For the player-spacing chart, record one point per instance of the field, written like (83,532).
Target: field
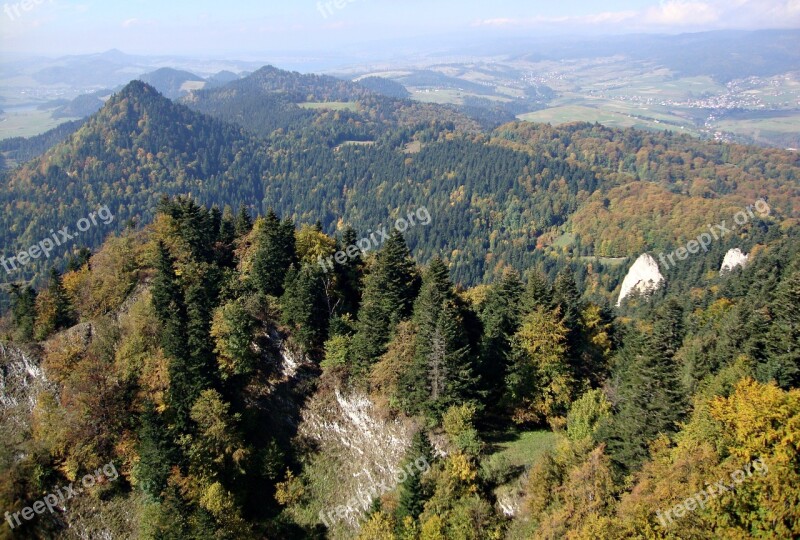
(621,93)
(27,123)
(767,127)
(606,116)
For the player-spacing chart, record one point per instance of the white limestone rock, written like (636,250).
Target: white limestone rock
(733,259)
(644,277)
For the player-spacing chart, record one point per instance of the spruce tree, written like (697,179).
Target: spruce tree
(537,293)
(412,491)
(500,316)
(23,311)
(156,453)
(650,397)
(63,316)
(200,302)
(783,364)
(275,253)
(227,227)
(243,223)
(303,307)
(349,275)
(389,292)
(170,308)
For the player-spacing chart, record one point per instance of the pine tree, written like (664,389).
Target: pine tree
(303,306)
(783,364)
(412,491)
(389,292)
(501,318)
(243,223)
(275,253)
(156,453)
(23,311)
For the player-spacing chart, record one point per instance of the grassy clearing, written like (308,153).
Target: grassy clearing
(565,240)
(606,261)
(526,449)
(330,105)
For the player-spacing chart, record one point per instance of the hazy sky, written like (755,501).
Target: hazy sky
(57,27)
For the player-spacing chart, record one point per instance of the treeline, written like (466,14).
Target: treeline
(183,384)
(518,197)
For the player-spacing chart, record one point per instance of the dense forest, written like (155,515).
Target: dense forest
(258,349)
(515,196)
(165,354)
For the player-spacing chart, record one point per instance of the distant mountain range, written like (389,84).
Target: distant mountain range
(328,150)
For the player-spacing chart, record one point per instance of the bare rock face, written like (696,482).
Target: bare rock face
(643,278)
(735,258)
(366,447)
(21,379)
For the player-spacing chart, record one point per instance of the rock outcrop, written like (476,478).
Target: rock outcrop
(735,258)
(361,448)
(644,278)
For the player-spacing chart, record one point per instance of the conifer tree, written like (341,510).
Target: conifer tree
(23,311)
(200,303)
(389,292)
(53,307)
(156,453)
(227,227)
(537,293)
(650,397)
(243,223)
(500,317)
(170,308)
(275,253)
(349,274)
(412,491)
(783,364)
(303,306)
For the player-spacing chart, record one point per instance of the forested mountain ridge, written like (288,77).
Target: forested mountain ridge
(504,198)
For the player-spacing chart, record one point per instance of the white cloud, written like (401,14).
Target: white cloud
(679,14)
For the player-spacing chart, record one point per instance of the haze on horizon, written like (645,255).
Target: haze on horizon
(203,27)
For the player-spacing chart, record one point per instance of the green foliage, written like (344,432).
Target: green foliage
(303,306)
(23,310)
(650,397)
(586,413)
(275,253)
(233,328)
(389,291)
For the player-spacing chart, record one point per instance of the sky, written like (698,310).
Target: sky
(212,27)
